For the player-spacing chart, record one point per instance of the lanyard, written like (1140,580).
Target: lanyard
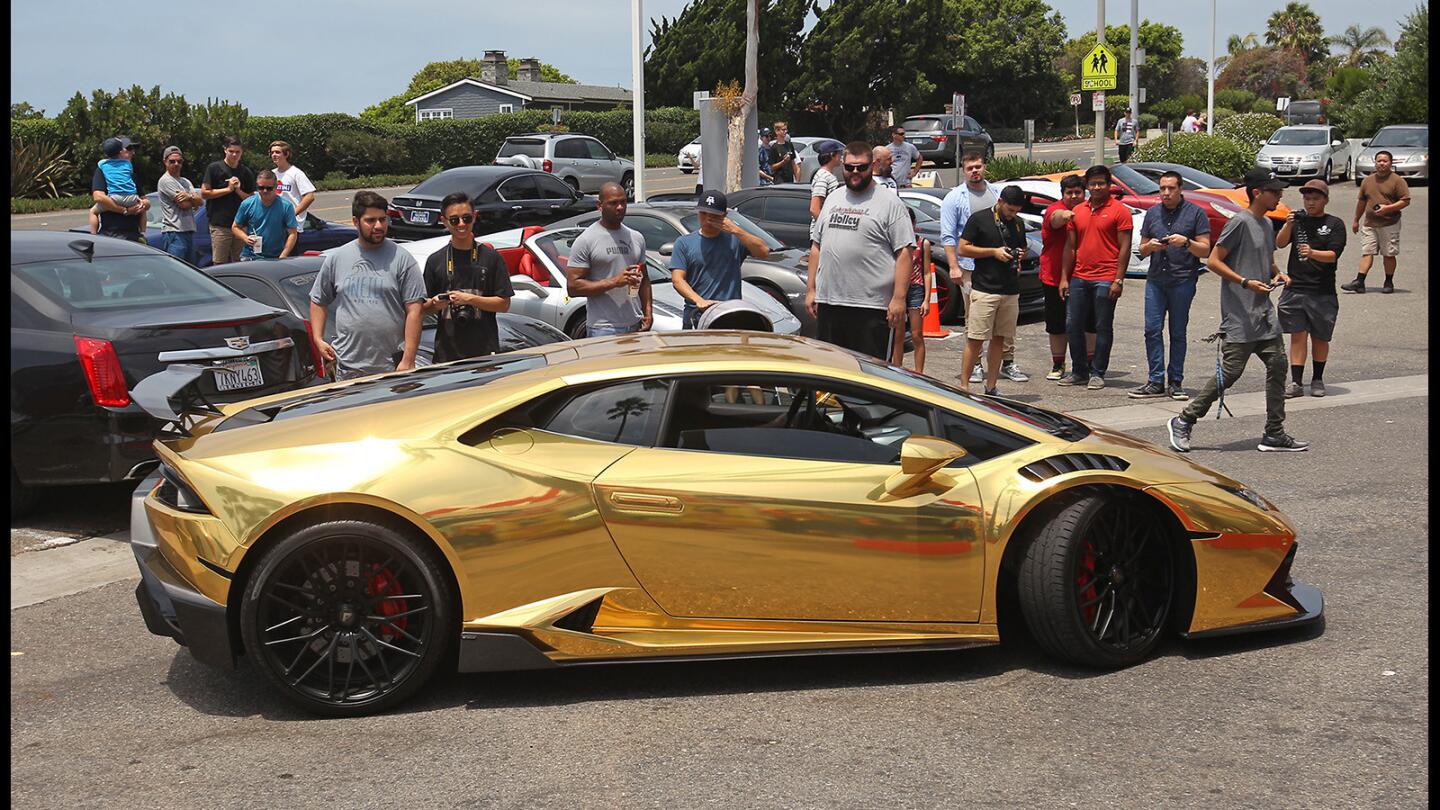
(450,259)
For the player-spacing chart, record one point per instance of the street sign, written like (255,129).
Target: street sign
(555,115)
(1097,101)
(1098,70)
(1142,95)
(1281,103)
(1074,99)
(958,101)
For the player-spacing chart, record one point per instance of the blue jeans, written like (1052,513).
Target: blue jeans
(1160,301)
(603,331)
(1089,299)
(180,244)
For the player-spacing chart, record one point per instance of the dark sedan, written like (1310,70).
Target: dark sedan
(784,210)
(935,136)
(286,283)
(90,317)
(317,235)
(505,197)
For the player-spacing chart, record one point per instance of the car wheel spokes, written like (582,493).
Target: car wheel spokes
(1124,578)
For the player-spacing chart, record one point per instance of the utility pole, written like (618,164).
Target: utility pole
(637,80)
(1135,60)
(1099,114)
(1210,98)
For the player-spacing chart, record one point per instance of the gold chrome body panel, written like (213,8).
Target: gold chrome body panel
(599,551)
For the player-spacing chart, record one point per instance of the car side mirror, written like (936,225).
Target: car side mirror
(526,284)
(667,248)
(1365,142)
(921,457)
(1337,143)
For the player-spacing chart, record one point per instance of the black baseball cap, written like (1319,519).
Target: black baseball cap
(112,146)
(711,202)
(1264,179)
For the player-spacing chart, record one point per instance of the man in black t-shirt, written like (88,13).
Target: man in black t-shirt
(995,239)
(1309,305)
(467,283)
(782,155)
(116,220)
(224,186)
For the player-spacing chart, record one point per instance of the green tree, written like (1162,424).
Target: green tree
(436,75)
(999,53)
(705,45)
(1361,47)
(1267,71)
(1190,72)
(23,110)
(1399,88)
(1159,75)
(1234,45)
(863,56)
(1297,28)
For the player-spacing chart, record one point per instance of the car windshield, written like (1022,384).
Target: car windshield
(1204,179)
(1056,424)
(691,223)
(1138,183)
(1298,137)
(922,125)
(529,147)
(123,282)
(1402,137)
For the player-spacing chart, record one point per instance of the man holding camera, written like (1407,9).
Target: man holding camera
(466,283)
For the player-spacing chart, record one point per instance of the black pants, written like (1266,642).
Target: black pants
(859,329)
(1125,150)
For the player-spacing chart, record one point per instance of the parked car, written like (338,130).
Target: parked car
(90,317)
(318,234)
(286,283)
(1139,191)
(537,257)
(784,210)
(1305,111)
(934,136)
(505,197)
(781,275)
(688,160)
(1196,180)
(583,162)
(1306,151)
(1408,145)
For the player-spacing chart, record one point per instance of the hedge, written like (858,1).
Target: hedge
(1250,130)
(1214,154)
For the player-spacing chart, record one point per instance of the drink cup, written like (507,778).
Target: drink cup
(259,244)
(633,288)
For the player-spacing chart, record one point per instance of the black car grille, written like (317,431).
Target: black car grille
(1050,467)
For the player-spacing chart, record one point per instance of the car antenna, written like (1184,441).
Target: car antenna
(85,248)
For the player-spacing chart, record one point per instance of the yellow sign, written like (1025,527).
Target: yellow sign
(1098,69)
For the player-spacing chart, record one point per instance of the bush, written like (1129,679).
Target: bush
(1148,120)
(1235,98)
(1215,154)
(1009,167)
(357,153)
(1248,130)
(23,206)
(39,169)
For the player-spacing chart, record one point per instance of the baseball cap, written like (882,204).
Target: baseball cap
(766,131)
(112,146)
(1317,185)
(1264,179)
(711,202)
(829,146)
(169,150)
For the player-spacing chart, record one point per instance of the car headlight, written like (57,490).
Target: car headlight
(1418,158)
(1247,495)
(1262,158)
(1315,156)
(1225,210)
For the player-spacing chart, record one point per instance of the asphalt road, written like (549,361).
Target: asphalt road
(105,714)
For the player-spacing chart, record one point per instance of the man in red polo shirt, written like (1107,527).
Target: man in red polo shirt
(1092,276)
(1054,232)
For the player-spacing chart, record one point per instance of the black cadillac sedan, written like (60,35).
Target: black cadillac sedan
(90,317)
(505,197)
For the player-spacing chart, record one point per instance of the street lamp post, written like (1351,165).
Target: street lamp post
(1100,114)
(637,79)
(1210,99)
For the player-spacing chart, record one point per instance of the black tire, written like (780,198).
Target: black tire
(1346,175)
(349,592)
(774,292)
(1329,172)
(576,328)
(990,151)
(627,182)
(574,182)
(686,171)
(22,498)
(1097,584)
(1358,179)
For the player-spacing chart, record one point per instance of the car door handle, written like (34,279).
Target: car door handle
(645,502)
(517,208)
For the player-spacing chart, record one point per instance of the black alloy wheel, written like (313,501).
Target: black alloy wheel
(1097,585)
(577,329)
(348,617)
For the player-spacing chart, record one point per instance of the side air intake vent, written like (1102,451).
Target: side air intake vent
(1071,462)
(581,620)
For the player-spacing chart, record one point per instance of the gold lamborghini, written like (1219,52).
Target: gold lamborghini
(678,496)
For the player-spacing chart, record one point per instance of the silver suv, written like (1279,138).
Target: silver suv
(580,160)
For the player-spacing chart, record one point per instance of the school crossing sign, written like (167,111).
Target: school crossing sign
(1098,70)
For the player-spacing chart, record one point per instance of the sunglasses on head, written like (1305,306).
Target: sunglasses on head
(465,218)
(856,167)
(266,188)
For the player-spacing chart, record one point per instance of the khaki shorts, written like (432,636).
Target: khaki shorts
(991,315)
(224,247)
(1383,239)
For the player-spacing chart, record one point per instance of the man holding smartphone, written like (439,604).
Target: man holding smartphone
(1244,257)
(466,282)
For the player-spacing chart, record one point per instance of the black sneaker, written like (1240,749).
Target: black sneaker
(1293,390)
(1282,443)
(1356,286)
(1177,393)
(1149,390)
(1389,286)
(992,392)
(1317,388)
(1179,433)
(1071,379)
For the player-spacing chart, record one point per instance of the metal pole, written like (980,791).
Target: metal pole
(637,79)
(1100,114)
(1210,99)
(1134,63)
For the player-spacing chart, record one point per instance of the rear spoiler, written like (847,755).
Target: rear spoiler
(173,397)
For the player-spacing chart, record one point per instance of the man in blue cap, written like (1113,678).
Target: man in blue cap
(826,178)
(705,264)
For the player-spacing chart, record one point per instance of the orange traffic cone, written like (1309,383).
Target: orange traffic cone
(932,328)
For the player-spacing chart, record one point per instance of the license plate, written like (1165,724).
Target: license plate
(420,217)
(917,139)
(239,374)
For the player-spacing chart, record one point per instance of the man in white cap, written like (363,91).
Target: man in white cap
(705,264)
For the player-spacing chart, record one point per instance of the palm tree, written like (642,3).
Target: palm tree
(1233,47)
(1297,28)
(1362,46)
(624,409)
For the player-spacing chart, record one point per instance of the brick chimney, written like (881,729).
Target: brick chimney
(493,68)
(529,70)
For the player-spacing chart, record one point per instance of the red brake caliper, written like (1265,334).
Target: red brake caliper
(1085,582)
(382,583)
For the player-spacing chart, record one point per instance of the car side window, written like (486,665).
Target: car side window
(254,289)
(553,188)
(753,208)
(628,413)
(788,208)
(981,441)
(655,230)
(597,150)
(518,189)
(971,124)
(571,148)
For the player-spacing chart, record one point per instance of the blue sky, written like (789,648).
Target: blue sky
(293,57)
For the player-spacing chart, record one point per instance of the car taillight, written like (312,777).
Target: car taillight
(315,354)
(392,211)
(312,253)
(102,371)
(941,138)
(546,165)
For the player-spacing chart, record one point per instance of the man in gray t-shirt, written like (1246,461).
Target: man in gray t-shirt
(178,201)
(907,160)
(607,266)
(859,260)
(1244,256)
(377,291)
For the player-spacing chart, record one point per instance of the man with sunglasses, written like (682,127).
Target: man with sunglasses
(178,201)
(859,267)
(265,223)
(466,282)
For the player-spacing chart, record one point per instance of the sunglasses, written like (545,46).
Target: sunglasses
(465,218)
(174,160)
(856,167)
(266,188)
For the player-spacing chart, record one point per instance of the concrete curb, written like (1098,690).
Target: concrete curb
(40,576)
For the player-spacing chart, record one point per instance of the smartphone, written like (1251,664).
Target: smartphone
(445,296)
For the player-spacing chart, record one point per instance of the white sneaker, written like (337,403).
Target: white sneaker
(1011,371)
(978,373)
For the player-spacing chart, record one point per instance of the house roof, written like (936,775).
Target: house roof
(540,91)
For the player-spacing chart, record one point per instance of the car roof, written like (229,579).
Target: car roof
(274,269)
(1405,126)
(43,246)
(1306,126)
(482,172)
